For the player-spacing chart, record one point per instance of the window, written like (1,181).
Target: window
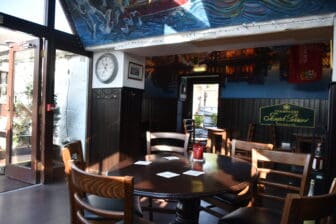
(3,86)
(31,10)
(61,22)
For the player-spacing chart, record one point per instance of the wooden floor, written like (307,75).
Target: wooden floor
(48,204)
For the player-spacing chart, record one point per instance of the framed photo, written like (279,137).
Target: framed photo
(135,71)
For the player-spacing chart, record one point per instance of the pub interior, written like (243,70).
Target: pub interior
(260,72)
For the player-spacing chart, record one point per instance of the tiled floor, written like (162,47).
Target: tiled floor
(9,184)
(48,204)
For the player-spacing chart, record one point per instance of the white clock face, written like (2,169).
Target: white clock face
(106,67)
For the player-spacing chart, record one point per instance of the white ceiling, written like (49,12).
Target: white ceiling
(322,34)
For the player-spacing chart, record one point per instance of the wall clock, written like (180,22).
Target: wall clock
(106,67)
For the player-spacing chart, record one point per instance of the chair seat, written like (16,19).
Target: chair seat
(252,215)
(234,199)
(111,204)
(115,205)
(137,220)
(228,201)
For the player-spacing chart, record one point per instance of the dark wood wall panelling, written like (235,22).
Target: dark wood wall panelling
(131,134)
(115,132)
(236,114)
(159,114)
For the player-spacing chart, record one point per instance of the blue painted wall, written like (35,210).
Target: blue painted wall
(275,87)
(99,22)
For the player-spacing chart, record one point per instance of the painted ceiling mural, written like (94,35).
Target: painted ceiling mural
(100,22)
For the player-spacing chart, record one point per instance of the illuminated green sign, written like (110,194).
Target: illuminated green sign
(287,115)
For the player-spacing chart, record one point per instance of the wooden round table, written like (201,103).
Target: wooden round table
(221,174)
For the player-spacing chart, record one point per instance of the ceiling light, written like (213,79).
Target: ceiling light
(200,68)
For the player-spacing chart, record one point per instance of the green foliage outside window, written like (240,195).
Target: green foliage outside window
(198,120)
(214,118)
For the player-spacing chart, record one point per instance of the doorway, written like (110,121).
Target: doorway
(204,107)
(199,98)
(22,117)
(20,81)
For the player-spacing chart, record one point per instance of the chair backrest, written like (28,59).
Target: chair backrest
(214,146)
(251,131)
(72,152)
(189,127)
(115,187)
(271,129)
(279,173)
(167,141)
(243,149)
(333,186)
(320,208)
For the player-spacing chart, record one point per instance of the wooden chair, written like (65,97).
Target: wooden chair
(333,186)
(242,149)
(297,208)
(109,187)
(189,127)
(320,208)
(167,142)
(280,173)
(229,202)
(271,129)
(214,146)
(73,152)
(251,131)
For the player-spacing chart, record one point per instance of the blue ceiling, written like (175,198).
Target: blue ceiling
(99,22)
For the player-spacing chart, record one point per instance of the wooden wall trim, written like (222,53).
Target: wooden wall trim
(331,134)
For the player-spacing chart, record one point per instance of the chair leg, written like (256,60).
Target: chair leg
(150,205)
(213,144)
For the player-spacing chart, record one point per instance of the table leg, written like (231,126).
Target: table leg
(187,211)
(208,146)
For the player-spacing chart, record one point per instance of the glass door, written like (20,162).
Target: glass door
(22,118)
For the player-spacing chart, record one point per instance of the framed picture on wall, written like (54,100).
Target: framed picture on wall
(135,71)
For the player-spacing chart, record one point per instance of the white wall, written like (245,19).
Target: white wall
(71,89)
(121,79)
(118,81)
